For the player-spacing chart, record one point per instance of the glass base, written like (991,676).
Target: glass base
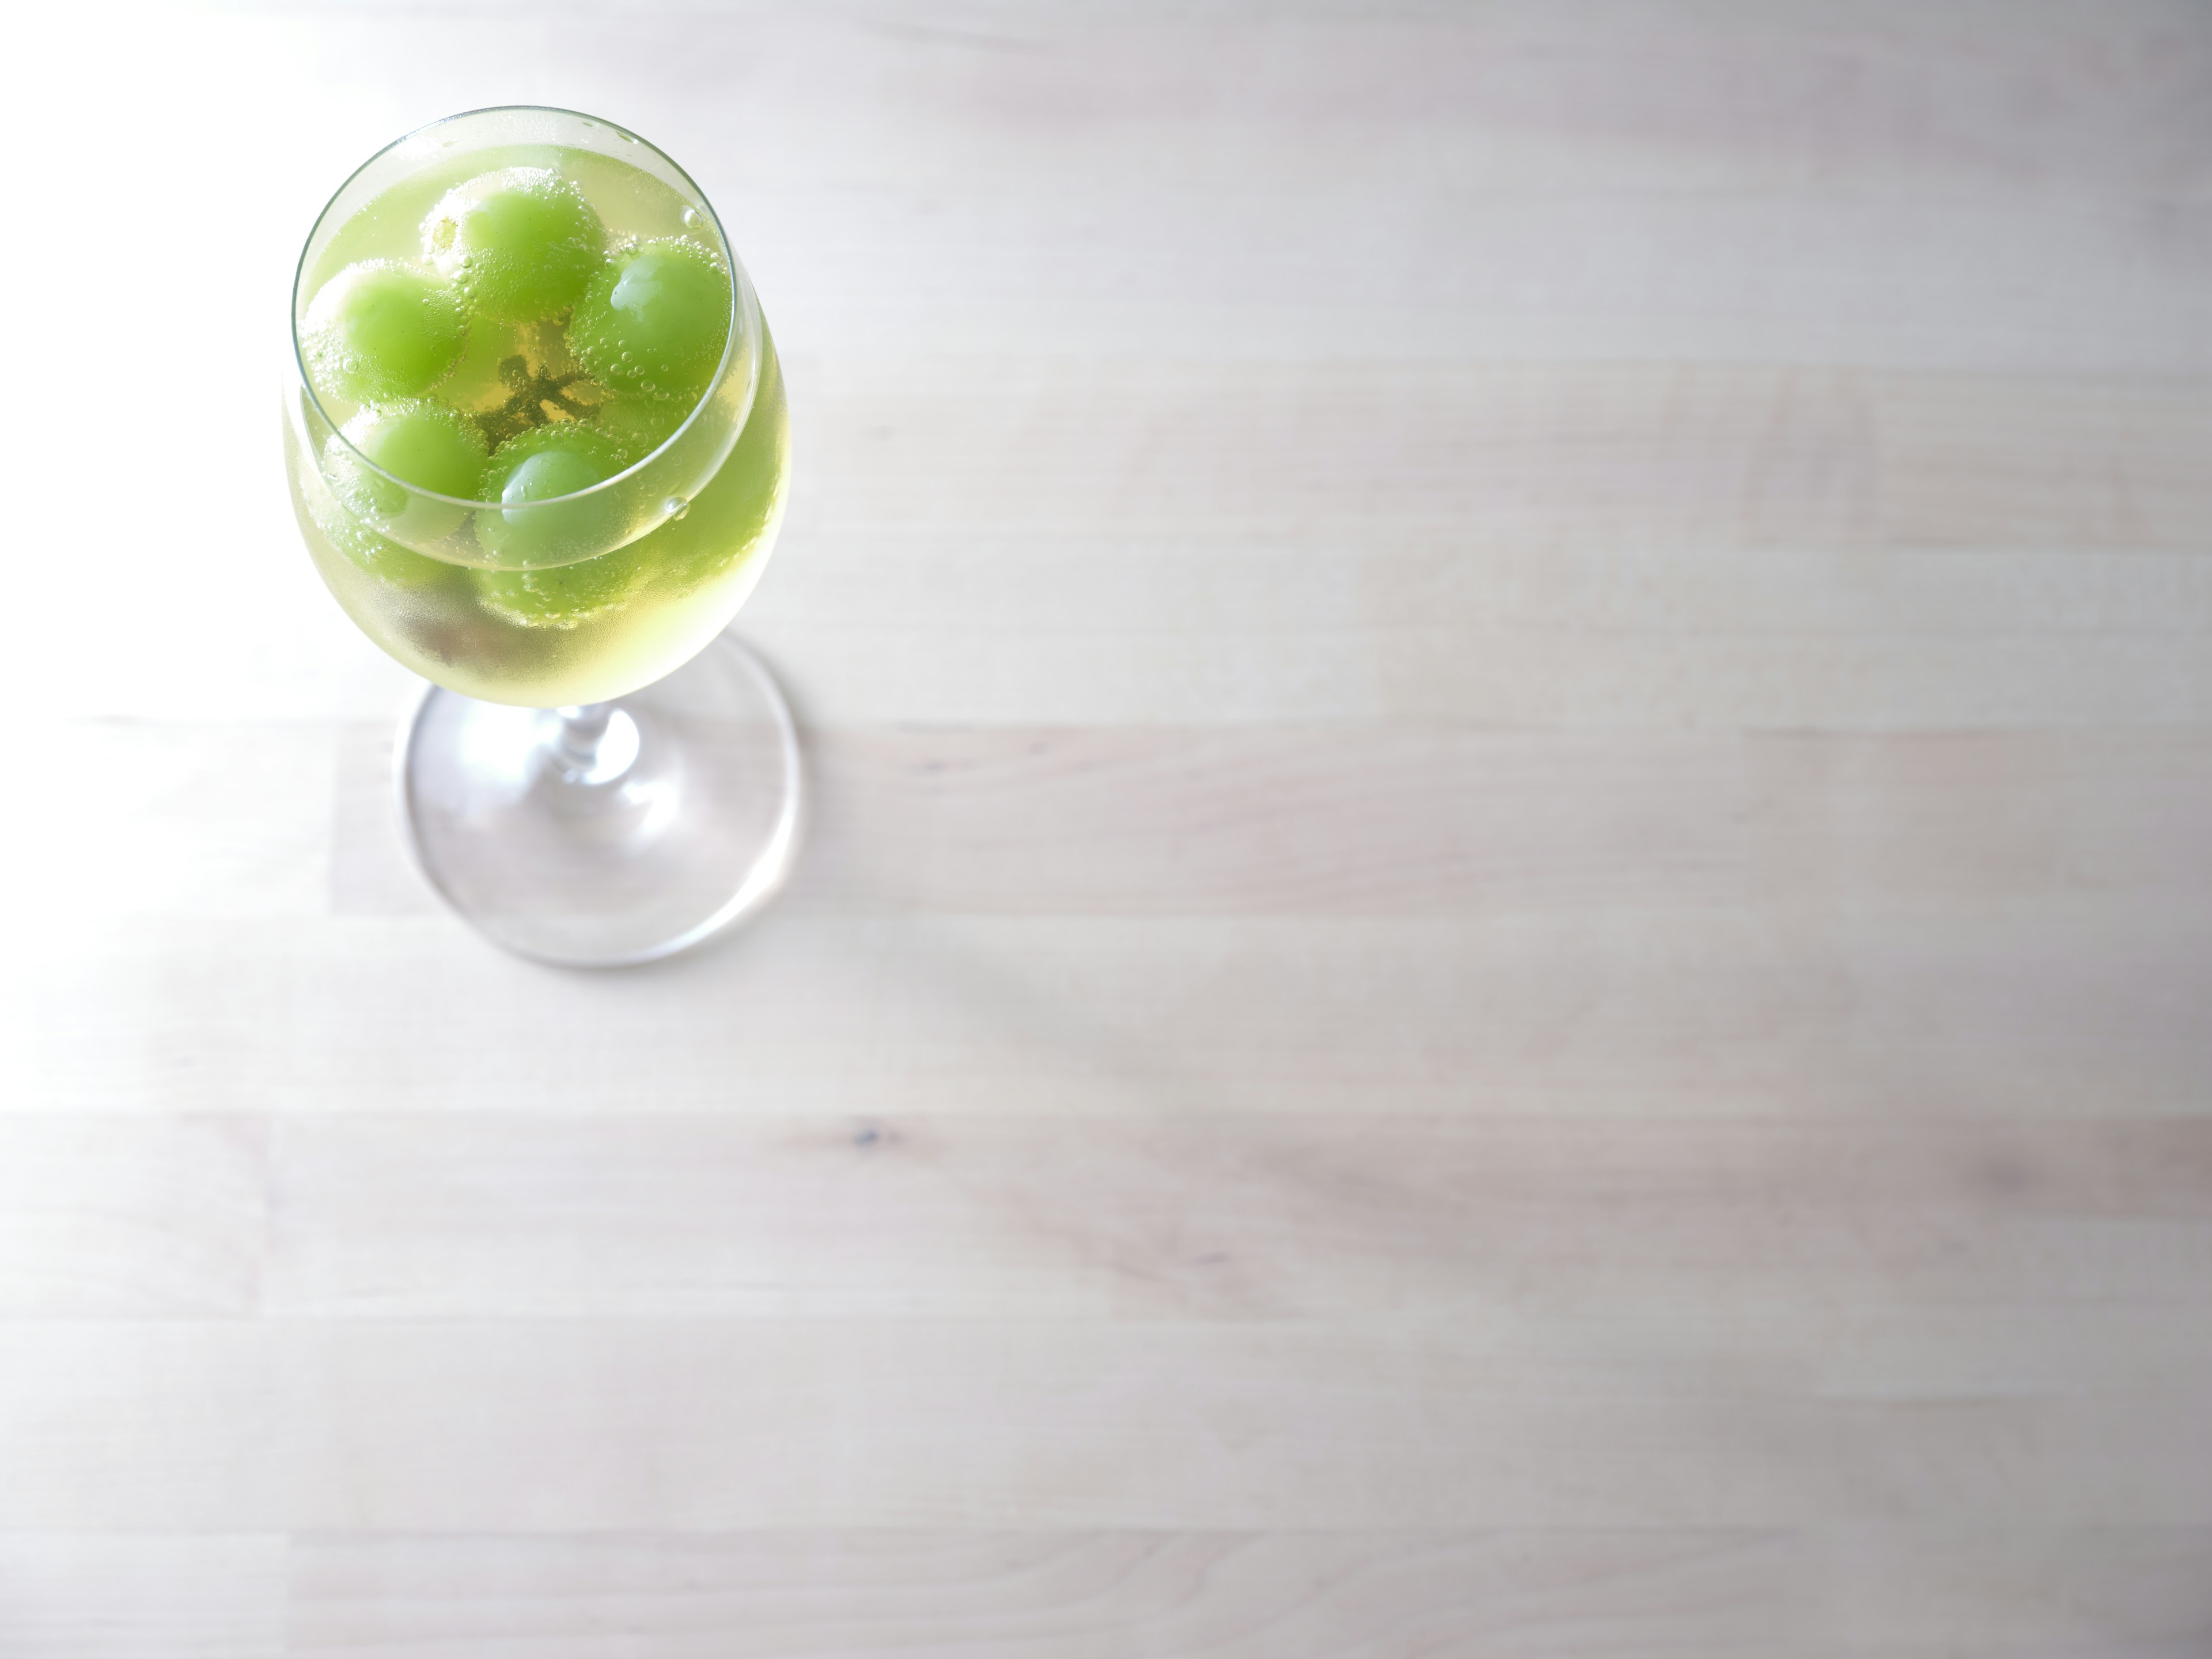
(610,834)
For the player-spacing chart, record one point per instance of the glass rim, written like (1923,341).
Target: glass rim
(741,308)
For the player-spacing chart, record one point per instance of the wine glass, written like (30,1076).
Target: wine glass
(537,448)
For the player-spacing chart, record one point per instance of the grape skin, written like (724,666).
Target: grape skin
(528,476)
(419,442)
(379,556)
(520,244)
(562,596)
(639,425)
(379,328)
(654,319)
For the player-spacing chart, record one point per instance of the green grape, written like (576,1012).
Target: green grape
(728,519)
(563,596)
(420,443)
(394,565)
(520,244)
(379,328)
(529,477)
(654,319)
(638,425)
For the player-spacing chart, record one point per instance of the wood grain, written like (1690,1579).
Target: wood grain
(92,1595)
(2045,1593)
(590,1426)
(1246,1218)
(1238,1219)
(2085,1006)
(1092,1596)
(145,1216)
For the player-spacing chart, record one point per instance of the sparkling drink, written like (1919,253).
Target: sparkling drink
(539,446)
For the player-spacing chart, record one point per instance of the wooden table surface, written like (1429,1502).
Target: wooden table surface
(1507,948)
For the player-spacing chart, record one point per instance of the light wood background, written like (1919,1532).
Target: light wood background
(1508,949)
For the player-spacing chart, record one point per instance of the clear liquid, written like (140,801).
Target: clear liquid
(611,623)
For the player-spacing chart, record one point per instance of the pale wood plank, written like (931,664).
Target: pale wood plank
(1513,244)
(147,1216)
(1502,1420)
(1440,675)
(1509,544)
(2087,1005)
(847,1422)
(80,1595)
(1331,821)
(2013,1592)
(1233,1219)
(219,820)
(1248,1218)
(1985,460)
(1317,455)
(141,1426)
(1641,457)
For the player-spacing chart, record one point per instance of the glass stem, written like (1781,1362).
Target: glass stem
(583,734)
